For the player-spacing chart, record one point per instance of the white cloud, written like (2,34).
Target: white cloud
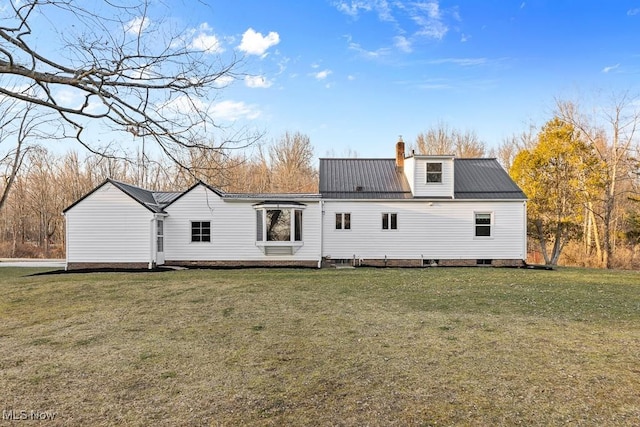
(351,78)
(402,43)
(369,54)
(257,82)
(137,25)
(354,7)
(254,43)
(610,68)
(463,62)
(429,19)
(223,81)
(632,12)
(234,110)
(321,75)
(464,38)
(207,43)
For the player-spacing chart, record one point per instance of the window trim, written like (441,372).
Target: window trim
(201,234)
(489,225)
(344,224)
(391,217)
(440,173)
(295,231)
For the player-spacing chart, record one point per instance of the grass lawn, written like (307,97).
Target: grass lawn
(437,346)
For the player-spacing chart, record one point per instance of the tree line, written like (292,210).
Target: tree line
(31,221)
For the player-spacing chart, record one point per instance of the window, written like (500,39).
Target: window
(343,221)
(483,224)
(389,221)
(160,235)
(434,172)
(200,231)
(278,225)
(297,225)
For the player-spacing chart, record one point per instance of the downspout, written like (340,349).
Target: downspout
(66,242)
(321,233)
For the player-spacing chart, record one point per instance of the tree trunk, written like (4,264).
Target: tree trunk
(543,241)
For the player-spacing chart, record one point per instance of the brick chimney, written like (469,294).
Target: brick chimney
(400,154)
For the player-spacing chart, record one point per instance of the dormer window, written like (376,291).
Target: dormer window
(434,173)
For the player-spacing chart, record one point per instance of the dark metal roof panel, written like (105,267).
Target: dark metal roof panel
(367,195)
(484,179)
(362,176)
(272,196)
(144,197)
(163,198)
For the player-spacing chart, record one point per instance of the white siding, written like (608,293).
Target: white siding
(432,230)
(233,230)
(409,172)
(108,226)
(422,189)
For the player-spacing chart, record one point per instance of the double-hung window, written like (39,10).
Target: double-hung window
(343,221)
(389,221)
(434,173)
(483,224)
(200,231)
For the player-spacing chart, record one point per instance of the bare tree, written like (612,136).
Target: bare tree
(612,133)
(507,151)
(19,131)
(444,140)
(119,68)
(291,167)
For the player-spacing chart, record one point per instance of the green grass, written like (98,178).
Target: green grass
(438,346)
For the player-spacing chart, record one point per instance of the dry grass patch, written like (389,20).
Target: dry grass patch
(347,347)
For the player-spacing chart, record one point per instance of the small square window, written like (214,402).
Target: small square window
(483,225)
(200,231)
(434,172)
(389,221)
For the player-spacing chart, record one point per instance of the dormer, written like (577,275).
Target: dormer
(430,175)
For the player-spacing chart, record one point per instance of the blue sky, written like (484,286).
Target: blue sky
(355,74)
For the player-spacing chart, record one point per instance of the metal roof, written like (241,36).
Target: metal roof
(362,179)
(484,179)
(380,179)
(163,198)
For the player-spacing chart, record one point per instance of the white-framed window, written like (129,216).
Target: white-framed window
(343,221)
(200,231)
(389,221)
(278,224)
(483,224)
(160,235)
(434,173)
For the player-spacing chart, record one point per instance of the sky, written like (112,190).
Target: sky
(354,75)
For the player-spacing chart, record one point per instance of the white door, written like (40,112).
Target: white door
(159,242)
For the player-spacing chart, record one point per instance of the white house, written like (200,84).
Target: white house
(405,211)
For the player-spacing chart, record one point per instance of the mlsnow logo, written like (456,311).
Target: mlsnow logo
(24,415)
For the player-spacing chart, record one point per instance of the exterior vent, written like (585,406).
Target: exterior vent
(359,188)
